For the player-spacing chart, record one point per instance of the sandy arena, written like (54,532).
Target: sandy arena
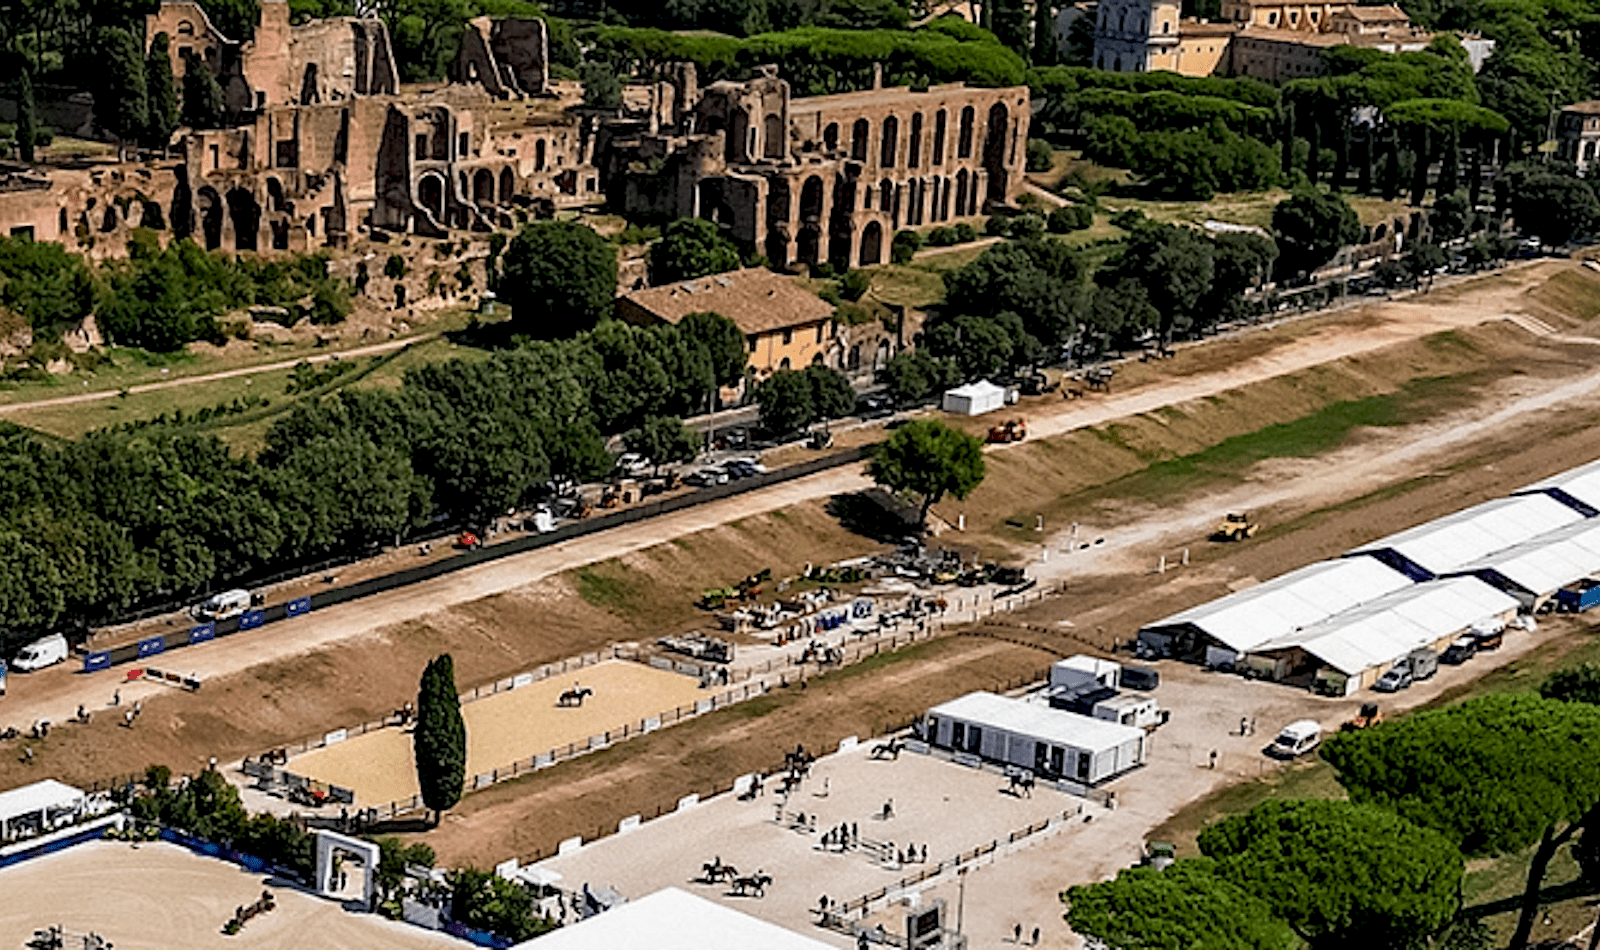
(504,728)
(159,896)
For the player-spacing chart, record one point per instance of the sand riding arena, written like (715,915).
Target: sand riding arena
(509,728)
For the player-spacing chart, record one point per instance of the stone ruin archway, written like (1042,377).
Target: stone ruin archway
(208,208)
(245,213)
(483,187)
(871,246)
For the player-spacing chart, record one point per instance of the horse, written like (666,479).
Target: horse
(713,871)
(1021,784)
(743,886)
(890,749)
(575,696)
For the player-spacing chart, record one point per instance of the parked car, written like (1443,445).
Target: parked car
(875,406)
(1397,678)
(1296,739)
(632,463)
(706,477)
(1460,650)
(1490,636)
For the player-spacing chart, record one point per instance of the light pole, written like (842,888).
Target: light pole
(961,897)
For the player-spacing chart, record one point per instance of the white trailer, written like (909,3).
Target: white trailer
(1053,743)
(1083,669)
(1129,709)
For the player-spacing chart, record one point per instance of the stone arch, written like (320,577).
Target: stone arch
(275,198)
(939,122)
(964,137)
(830,137)
(860,133)
(61,223)
(508,185)
(994,150)
(933,202)
(944,204)
(245,213)
(890,142)
(853,359)
(280,233)
(811,200)
(841,224)
(538,155)
(772,136)
(209,205)
(809,246)
(151,216)
(430,195)
(880,356)
(914,142)
(871,248)
(483,187)
(1588,151)
(961,192)
(109,218)
(816,358)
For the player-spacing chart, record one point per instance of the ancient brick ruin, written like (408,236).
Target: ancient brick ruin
(326,148)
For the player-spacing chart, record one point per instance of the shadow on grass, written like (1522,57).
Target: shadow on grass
(496,335)
(867,514)
(1557,894)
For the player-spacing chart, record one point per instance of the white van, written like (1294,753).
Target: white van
(41,653)
(1296,739)
(229,603)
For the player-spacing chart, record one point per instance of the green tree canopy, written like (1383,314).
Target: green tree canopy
(1494,774)
(1311,226)
(930,460)
(43,283)
(121,102)
(662,440)
(1185,907)
(203,105)
(439,740)
(722,342)
(485,901)
(560,278)
(1575,684)
(1041,280)
(913,375)
(787,400)
(1555,208)
(1173,264)
(1340,873)
(27,116)
(689,248)
(163,113)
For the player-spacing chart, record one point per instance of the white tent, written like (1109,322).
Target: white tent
(1446,544)
(1363,642)
(974,399)
(1244,620)
(671,919)
(38,804)
(1578,487)
(1054,742)
(1534,570)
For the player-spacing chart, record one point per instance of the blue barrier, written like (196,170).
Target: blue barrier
(202,633)
(298,606)
(152,646)
(98,660)
(251,619)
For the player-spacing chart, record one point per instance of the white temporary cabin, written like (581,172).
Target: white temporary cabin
(1052,743)
(672,919)
(974,399)
(1129,709)
(1083,669)
(39,806)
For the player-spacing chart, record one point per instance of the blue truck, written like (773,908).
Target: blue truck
(1576,598)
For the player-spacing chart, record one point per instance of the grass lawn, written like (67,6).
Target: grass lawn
(903,286)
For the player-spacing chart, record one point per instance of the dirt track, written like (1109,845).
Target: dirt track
(297,685)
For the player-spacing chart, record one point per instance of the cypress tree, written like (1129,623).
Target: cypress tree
(1286,161)
(121,105)
(163,95)
(1419,171)
(1450,164)
(1314,156)
(439,740)
(1341,151)
(203,107)
(1045,51)
(1390,184)
(1475,173)
(1368,159)
(27,116)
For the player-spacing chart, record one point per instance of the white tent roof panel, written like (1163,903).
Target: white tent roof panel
(32,799)
(1550,561)
(1445,544)
(1038,721)
(1244,620)
(674,920)
(1582,483)
(1388,628)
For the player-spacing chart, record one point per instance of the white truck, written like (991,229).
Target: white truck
(229,603)
(46,651)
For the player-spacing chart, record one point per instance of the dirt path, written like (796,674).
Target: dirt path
(54,694)
(98,395)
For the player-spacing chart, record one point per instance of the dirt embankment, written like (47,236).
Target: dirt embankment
(1092,474)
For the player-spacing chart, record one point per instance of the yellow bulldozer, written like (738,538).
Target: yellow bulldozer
(1235,527)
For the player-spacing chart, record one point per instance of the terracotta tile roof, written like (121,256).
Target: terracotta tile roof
(755,299)
(1381,14)
(1295,37)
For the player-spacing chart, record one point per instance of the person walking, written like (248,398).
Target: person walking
(1016,934)
(1035,941)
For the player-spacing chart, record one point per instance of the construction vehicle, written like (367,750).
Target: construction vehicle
(468,541)
(1368,717)
(1012,430)
(1235,527)
(1036,384)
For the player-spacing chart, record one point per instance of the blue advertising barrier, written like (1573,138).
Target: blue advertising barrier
(152,646)
(251,619)
(98,660)
(296,607)
(202,633)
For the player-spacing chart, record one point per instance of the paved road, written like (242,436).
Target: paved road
(54,694)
